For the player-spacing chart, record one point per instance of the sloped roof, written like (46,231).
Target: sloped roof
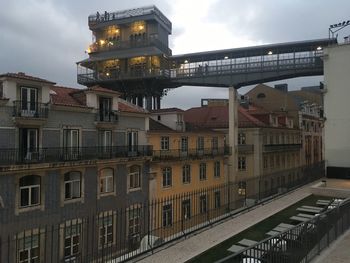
(22,75)
(125,106)
(218,117)
(157,126)
(167,110)
(64,96)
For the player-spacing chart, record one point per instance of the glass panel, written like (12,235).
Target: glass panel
(24,197)
(35,195)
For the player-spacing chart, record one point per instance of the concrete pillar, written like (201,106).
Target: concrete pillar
(232,136)
(149,103)
(158,102)
(140,101)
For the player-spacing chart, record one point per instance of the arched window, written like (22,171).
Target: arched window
(106,180)
(72,185)
(261,96)
(134,177)
(29,188)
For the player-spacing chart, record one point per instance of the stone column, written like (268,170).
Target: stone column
(158,102)
(149,103)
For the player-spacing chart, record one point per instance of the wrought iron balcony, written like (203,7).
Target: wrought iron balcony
(30,109)
(245,148)
(110,116)
(65,154)
(281,147)
(190,153)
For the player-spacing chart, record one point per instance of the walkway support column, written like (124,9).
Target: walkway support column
(232,139)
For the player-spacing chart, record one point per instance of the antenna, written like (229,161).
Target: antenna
(334,28)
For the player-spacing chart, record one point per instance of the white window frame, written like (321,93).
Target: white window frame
(203,204)
(242,163)
(217,199)
(202,171)
(200,143)
(106,181)
(71,236)
(186,209)
(217,169)
(26,243)
(72,183)
(106,227)
(164,143)
(241,138)
(167,216)
(167,177)
(186,174)
(134,178)
(30,188)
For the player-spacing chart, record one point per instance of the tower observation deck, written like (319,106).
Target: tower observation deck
(130,53)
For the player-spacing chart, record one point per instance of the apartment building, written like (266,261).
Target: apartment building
(70,161)
(188,171)
(268,148)
(303,107)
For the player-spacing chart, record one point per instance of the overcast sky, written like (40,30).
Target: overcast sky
(45,38)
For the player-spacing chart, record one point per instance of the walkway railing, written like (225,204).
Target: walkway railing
(301,243)
(119,232)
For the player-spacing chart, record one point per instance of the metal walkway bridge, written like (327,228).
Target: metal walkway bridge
(250,65)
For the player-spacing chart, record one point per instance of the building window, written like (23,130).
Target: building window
(186,209)
(29,188)
(164,143)
(272,161)
(28,248)
(265,162)
(203,204)
(186,174)
(167,176)
(242,163)
(167,215)
(106,181)
(200,143)
(158,118)
(277,161)
(241,138)
(72,235)
(1,90)
(217,169)
(105,228)
(132,141)
(134,226)
(72,185)
(261,96)
(71,144)
(105,139)
(134,177)
(202,171)
(271,139)
(215,143)
(184,144)
(242,186)
(217,199)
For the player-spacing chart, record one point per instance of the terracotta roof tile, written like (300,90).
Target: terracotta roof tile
(66,97)
(125,106)
(22,75)
(167,110)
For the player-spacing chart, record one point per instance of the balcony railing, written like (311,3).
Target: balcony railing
(111,117)
(245,148)
(30,109)
(94,77)
(190,153)
(64,154)
(137,43)
(281,147)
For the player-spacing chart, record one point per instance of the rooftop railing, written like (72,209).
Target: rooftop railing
(109,16)
(136,43)
(64,154)
(245,148)
(190,153)
(30,109)
(110,116)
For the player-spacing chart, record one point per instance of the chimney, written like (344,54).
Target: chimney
(282,87)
